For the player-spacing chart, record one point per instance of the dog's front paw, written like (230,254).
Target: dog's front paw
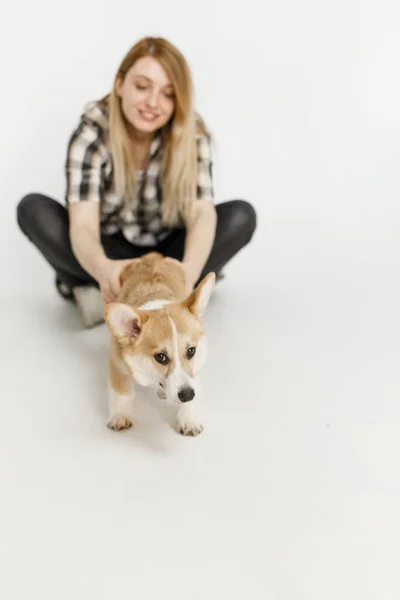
(187,420)
(118,422)
(191,428)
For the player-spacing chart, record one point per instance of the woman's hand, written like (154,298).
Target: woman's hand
(108,277)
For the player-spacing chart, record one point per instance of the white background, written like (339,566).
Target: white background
(293,490)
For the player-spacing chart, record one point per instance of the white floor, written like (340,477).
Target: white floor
(293,490)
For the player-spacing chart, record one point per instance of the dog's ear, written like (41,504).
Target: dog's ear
(123,321)
(197,301)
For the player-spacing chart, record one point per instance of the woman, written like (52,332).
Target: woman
(138,178)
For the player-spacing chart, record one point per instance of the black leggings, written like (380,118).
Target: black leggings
(45,222)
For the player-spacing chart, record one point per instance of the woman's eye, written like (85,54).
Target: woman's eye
(141,87)
(190,352)
(161,358)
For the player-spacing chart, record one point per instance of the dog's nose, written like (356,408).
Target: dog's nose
(186,394)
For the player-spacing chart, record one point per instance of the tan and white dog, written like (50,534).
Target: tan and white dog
(157,340)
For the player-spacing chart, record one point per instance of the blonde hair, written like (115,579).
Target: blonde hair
(179,164)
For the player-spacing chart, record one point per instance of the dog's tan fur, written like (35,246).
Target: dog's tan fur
(152,277)
(140,333)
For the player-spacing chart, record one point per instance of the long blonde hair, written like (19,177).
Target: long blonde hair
(179,165)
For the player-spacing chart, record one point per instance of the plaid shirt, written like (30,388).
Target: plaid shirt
(89,176)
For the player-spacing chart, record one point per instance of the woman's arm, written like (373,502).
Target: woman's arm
(85,188)
(200,233)
(87,247)
(200,229)
(84,219)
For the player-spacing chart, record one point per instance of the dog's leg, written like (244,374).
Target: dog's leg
(120,398)
(120,410)
(187,418)
(187,421)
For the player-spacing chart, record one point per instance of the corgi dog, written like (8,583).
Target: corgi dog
(157,340)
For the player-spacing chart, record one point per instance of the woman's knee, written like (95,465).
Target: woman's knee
(39,215)
(239,217)
(28,212)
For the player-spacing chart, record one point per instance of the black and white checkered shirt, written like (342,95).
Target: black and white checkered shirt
(89,176)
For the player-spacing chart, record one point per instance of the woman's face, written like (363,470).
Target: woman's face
(147,95)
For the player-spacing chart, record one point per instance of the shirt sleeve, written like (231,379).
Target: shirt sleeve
(205,188)
(83,168)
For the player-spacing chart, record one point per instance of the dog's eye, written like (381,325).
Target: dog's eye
(191,352)
(161,358)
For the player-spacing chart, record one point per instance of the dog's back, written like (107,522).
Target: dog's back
(151,278)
